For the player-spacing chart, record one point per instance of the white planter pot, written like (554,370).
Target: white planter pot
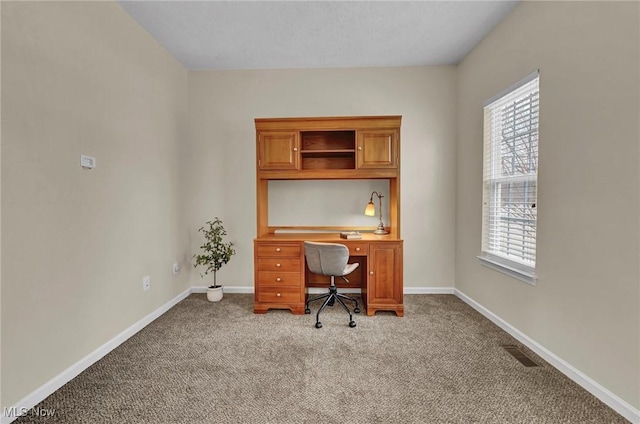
(215,294)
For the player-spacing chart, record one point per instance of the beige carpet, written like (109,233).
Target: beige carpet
(219,363)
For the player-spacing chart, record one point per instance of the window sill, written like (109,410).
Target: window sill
(505,267)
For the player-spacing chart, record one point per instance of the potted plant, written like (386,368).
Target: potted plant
(215,253)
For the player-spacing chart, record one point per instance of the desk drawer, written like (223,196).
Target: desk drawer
(279,264)
(358,249)
(280,279)
(279,294)
(278,250)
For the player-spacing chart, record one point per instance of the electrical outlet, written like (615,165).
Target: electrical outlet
(146,283)
(176,268)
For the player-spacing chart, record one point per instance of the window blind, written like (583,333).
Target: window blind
(510,171)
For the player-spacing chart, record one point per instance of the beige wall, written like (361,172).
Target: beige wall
(221,157)
(1,404)
(75,244)
(585,307)
(84,78)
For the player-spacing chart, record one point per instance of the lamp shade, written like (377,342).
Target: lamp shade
(370,210)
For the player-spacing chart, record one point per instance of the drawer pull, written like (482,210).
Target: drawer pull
(278,295)
(278,279)
(357,249)
(277,249)
(278,265)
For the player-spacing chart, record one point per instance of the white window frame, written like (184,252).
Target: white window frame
(509,225)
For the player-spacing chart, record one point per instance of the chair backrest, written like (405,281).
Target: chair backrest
(326,258)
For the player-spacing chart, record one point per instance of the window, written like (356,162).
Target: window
(510,171)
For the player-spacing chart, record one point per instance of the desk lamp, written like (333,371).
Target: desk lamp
(371,211)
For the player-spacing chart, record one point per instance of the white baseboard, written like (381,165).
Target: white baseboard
(319,290)
(225,289)
(614,402)
(67,375)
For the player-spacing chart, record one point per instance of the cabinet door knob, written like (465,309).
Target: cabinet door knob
(277,249)
(295,149)
(370,272)
(357,249)
(278,294)
(278,265)
(278,279)
(359,147)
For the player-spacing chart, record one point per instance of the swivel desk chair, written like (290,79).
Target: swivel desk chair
(330,259)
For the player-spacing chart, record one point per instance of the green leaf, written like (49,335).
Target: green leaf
(217,252)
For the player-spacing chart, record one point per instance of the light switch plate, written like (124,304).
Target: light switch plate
(146,283)
(88,162)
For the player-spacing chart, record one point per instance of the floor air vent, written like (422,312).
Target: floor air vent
(517,353)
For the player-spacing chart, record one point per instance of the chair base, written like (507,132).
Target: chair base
(329,299)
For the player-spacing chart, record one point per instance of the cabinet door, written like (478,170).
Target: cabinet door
(278,150)
(377,149)
(385,278)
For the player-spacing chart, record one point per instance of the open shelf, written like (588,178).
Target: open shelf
(328,149)
(328,153)
(327,140)
(328,162)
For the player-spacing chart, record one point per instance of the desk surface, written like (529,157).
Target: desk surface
(324,237)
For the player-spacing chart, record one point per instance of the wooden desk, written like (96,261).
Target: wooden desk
(282,277)
(327,148)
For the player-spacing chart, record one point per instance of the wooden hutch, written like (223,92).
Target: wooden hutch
(342,148)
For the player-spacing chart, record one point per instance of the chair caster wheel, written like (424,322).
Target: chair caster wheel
(318,324)
(307,311)
(352,324)
(357,310)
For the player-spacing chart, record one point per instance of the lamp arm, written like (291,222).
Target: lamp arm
(380,196)
(370,211)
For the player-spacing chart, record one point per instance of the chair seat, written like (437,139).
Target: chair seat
(349,269)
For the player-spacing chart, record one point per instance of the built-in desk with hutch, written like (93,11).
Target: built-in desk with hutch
(344,148)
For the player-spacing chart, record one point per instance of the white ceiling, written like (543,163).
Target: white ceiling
(317,34)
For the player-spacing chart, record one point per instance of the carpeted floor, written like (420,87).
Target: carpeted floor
(219,363)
